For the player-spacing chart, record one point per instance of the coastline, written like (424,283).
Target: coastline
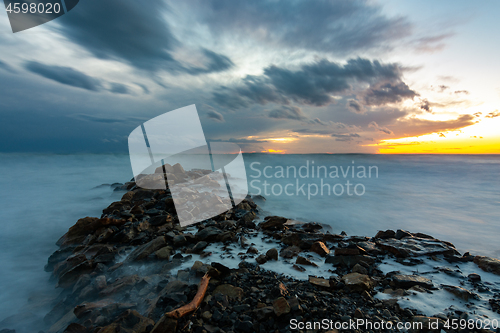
(124,270)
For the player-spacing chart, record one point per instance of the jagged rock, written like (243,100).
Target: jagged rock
(303,261)
(290,252)
(208,234)
(281,306)
(273,223)
(85,226)
(460,292)
(414,247)
(408,281)
(145,250)
(402,234)
(320,282)
(320,248)
(349,261)
(164,253)
(120,284)
(357,282)
(488,264)
(385,234)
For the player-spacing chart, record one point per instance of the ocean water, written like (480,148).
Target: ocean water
(451,197)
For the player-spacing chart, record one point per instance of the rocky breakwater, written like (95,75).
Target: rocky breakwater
(123,271)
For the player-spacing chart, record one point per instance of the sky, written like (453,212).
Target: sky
(272,76)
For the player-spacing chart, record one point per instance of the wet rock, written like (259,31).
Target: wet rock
(179,240)
(357,282)
(145,250)
(73,328)
(229,291)
(84,227)
(320,248)
(208,234)
(414,247)
(460,292)
(263,313)
(120,284)
(273,223)
(160,220)
(303,261)
(402,234)
(488,264)
(359,269)
(164,253)
(281,306)
(349,261)
(408,281)
(200,246)
(262,259)
(69,278)
(473,277)
(100,282)
(290,252)
(298,268)
(272,254)
(252,250)
(385,234)
(320,282)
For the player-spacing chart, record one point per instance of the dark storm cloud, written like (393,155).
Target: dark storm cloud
(378,128)
(288,112)
(345,137)
(354,106)
(144,88)
(387,92)
(118,88)
(312,84)
(339,27)
(64,75)
(212,114)
(426,105)
(131,32)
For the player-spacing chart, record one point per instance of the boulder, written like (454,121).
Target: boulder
(145,250)
(281,306)
(320,248)
(272,254)
(408,281)
(415,247)
(273,223)
(208,234)
(357,282)
(460,292)
(303,261)
(488,264)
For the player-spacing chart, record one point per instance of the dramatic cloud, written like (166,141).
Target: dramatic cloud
(313,84)
(288,112)
(378,128)
(212,114)
(416,127)
(354,106)
(339,27)
(387,92)
(345,137)
(130,32)
(426,105)
(64,75)
(118,88)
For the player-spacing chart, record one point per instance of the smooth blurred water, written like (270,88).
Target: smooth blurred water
(455,198)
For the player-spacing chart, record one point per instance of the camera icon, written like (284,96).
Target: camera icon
(163,148)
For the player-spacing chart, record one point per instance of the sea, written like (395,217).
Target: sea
(451,197)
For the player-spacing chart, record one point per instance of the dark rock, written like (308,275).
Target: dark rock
(408,281)
(208,234)
(385,234)
(262,259)
(273,223)
(488,264)
(474,277)
(303,261)
(357,282)
(272,254)
(281,306)
(145,250)
(290,252)
(402,234)
(320,248)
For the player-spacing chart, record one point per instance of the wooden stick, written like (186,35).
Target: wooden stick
(195,303)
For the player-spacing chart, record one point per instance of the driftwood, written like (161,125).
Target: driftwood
(195,303)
